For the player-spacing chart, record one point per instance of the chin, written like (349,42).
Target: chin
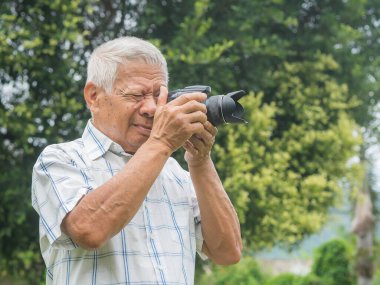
(133,146)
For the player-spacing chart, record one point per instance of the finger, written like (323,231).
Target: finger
(197,116)
(188,146)
(208,134)
(197,142)
(184,98)
(210,128)
(192,106)
(163,97)
(207,137)
(194,149)
(195,128)
(203,140)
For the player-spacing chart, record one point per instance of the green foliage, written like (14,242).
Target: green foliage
(332,263)
(310,279)
(310,67)
(376,279)
(284,187)
(40,74)
(247,272)
(282,169)
(284,279)
(292,279)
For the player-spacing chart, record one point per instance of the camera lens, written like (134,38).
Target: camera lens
(221,109)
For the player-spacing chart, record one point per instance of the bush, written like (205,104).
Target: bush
(292,279)
(310,279)
(246,272)
(376,278)
(284,279)
(332,263)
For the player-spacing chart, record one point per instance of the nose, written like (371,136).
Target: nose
(148,107)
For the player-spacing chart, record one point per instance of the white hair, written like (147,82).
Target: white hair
(105,59)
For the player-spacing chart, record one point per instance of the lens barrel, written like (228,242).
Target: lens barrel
(221,109)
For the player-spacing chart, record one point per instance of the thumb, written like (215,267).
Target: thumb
(163,97)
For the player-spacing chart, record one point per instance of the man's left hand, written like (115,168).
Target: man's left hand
(198,147)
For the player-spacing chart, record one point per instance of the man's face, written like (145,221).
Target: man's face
(126,115)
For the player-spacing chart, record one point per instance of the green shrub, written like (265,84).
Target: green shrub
(284,279)
(246,272)
(332,263)
(376,278)
(310,279)
(292,279)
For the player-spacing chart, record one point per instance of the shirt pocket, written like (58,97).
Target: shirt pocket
(182,226)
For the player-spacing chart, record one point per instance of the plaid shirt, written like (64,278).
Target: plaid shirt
(158,246)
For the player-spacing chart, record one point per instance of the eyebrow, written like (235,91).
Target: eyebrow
(123,91)
(127,91)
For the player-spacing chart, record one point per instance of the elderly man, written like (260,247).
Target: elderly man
(114,207)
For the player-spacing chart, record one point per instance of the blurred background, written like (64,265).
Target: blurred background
(302,174)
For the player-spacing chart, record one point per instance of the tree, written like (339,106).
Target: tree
(281,170)
(306,65)
(40,76)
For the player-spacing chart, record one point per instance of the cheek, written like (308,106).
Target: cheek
(123,116)
(104,107)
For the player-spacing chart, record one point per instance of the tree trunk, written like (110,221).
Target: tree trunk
(362,226)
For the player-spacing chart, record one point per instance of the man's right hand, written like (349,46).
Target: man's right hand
(175,122)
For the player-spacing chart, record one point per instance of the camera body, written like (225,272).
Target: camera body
(221,109)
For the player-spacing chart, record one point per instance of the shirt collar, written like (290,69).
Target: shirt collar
(97,144)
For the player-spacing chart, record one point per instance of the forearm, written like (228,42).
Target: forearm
(220,224)
(104,212)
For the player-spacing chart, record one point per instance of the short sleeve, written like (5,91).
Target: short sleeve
(57,186)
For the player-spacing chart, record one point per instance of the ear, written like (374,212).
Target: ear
(90,92)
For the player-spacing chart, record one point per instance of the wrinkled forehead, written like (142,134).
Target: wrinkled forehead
(140,75)
(137,66)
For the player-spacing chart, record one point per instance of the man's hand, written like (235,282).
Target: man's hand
(198,147)
(175,122)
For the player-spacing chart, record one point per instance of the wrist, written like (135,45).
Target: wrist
(203,162)
(159,146)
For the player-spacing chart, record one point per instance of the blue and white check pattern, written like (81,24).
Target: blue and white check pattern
(158,246)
